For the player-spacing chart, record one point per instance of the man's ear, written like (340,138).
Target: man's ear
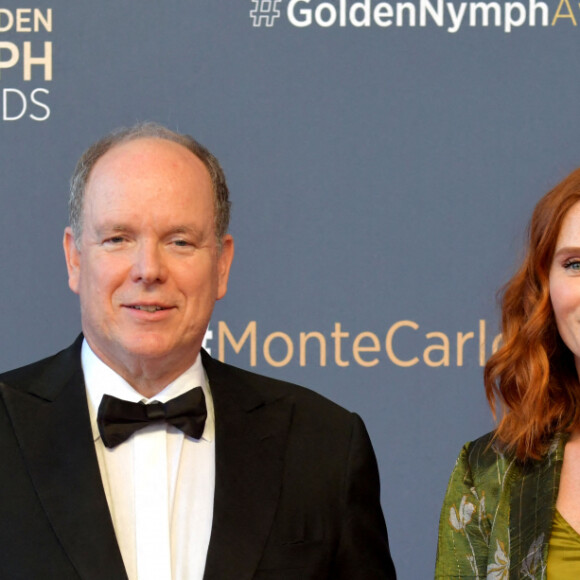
(73,259)
(225,258)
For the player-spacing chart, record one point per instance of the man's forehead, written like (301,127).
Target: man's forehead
(143,148)
(134,170)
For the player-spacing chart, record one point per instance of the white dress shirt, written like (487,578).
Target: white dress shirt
(162,517)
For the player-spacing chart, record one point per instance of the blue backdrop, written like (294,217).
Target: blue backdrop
(383,158)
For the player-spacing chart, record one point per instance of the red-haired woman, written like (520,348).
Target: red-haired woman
(512,508)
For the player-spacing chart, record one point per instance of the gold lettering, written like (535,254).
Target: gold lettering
(357,349)
(389,343)
(9,20)
(22,19)
(461,340)
(224,332)
(444,347)
(14,54)
(482,335)
(304,338)
(289,346)
(570,14)
(337,335)
(45,60)
(46,21)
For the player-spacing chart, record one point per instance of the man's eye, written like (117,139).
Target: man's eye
(115,240)
(181,243)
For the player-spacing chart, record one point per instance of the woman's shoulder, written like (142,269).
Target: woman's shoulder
(488,460)
(485,453)
(485,463)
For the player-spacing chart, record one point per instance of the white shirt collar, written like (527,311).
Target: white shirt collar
(100,379)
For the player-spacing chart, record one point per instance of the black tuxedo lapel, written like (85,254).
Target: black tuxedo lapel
(51,422)
(251,437)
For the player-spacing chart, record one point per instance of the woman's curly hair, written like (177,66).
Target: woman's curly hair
(531,382)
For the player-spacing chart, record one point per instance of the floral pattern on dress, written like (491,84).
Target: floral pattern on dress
(533,566)
(497,514)
(472,509)
(459,518)
(500,568)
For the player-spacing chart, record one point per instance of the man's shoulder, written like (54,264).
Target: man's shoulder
(271,389)
(55,368)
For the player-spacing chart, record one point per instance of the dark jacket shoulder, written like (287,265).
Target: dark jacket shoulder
(45,377)
(267,389)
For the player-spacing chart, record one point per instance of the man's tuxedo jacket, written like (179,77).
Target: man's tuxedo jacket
(296,493)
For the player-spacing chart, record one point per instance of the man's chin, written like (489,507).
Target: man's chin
(153,350)
(158,349)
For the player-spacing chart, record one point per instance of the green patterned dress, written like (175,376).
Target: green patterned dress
(497,514)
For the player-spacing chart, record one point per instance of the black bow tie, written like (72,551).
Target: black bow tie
(118,419)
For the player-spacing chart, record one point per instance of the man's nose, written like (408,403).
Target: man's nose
(149,264)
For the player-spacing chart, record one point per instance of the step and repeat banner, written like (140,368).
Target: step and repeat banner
(383,158)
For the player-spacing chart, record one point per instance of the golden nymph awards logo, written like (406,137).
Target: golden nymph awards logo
(25,59)
(449,16)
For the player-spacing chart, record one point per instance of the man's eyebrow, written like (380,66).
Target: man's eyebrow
(183,229)
(112,227)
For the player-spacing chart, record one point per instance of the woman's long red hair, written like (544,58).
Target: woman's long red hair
(531,382)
